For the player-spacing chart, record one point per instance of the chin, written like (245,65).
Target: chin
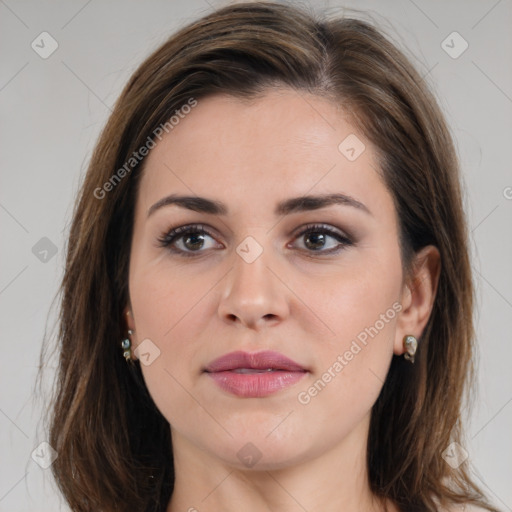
(263,456)
(260,448)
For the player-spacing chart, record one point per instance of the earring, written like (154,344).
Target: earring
(410,345)
(126,346)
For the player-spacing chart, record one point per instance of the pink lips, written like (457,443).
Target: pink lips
(254,375)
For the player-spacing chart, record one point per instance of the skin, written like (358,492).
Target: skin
(291,299)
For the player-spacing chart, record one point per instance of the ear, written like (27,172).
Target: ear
(418,295)
(127,315)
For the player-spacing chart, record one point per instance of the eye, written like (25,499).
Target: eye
(324,239)
(187,240)
(191,240)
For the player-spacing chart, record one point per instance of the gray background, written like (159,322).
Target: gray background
(53,109)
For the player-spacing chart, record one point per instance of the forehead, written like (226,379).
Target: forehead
(282,144)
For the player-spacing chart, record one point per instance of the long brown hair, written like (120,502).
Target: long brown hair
(114,446)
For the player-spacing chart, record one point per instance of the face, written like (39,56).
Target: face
(318,283)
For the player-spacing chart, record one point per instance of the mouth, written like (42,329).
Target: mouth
(254,375)
(253,370)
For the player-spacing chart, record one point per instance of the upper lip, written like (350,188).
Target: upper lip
(257,361)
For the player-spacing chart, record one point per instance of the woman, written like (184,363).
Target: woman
(267,301)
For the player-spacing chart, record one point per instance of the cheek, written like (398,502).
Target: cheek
(165,316)
(362,294)
(169,310)
(360,309)
(166,302)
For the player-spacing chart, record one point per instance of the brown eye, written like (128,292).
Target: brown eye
(193,241)
(186,240)
(323,239)
(315,241)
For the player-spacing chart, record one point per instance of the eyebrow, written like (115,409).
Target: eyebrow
(286,207)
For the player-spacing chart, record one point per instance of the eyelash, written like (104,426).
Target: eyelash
(171,236)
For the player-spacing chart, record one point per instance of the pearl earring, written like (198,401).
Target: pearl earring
(410,345)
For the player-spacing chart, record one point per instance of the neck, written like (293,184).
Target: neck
(334,480)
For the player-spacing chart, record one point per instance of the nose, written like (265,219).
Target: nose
(254,294)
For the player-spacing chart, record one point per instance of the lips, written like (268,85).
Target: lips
(254,375)
(267,360)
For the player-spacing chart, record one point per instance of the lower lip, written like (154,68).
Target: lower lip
(255,385)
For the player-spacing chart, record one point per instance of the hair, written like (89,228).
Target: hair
(113,444)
